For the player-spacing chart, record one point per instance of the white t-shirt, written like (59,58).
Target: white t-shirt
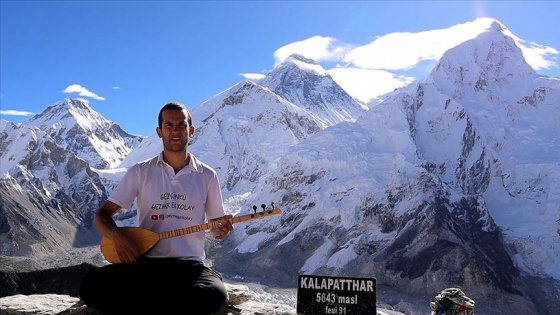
(167,201)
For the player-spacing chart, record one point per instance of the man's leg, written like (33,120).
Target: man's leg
(210,290)
(154,285)
(107,288)
(195,289)
(123,288)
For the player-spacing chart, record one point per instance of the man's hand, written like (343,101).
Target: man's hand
(223,228)
(126,249)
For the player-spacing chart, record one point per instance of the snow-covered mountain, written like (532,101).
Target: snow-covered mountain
(304,82)
(514,117)
(50,186)
(452,181)
(48,194)
(76,127)
(449,181)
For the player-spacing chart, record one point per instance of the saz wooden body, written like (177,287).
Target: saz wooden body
(146,239)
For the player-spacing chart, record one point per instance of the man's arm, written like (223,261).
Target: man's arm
(106,226)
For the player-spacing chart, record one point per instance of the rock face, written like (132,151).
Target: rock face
(48,281)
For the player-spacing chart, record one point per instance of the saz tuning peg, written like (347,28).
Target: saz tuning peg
(254,211)
(263,206)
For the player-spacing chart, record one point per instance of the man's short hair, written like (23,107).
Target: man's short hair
(174,106)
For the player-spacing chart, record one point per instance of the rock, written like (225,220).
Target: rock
(53,290)
(237,294)
(49,304)
(258,308)
(59,280)
(43,304)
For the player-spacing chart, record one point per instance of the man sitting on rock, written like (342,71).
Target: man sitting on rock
(173,190)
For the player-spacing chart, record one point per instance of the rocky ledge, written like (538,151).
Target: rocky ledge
(239,303)
(27,288)
(31,288)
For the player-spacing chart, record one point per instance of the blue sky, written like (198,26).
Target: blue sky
(128,58)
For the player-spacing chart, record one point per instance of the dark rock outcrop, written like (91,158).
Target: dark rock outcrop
(60,280)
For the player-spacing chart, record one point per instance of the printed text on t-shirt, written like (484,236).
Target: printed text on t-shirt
(172,204)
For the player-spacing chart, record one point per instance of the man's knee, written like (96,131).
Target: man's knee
(211,298)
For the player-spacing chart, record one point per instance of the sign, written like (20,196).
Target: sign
(318,295)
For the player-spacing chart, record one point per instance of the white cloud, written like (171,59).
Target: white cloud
(538,56)
(365,84)
(318,48)
(82,91)
(116,87)
(13,112)
(252,76)
(403,51)
(367,70)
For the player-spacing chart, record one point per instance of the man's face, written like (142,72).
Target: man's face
(175,130)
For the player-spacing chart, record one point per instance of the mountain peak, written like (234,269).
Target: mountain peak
(304,82)
(71,103)
(497,26)
(300,62)
(68,111)
(489,23)
(489,62)
(77,127)
(298,57)
(4,123)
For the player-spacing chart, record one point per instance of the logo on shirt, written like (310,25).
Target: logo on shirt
(156,217)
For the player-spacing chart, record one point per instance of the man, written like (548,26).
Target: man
(172,190)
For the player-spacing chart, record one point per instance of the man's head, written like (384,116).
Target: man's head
(174,127)
(174,106)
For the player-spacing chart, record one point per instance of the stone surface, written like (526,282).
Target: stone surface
(237,294)
(51,304)
(59,280)
(43,304)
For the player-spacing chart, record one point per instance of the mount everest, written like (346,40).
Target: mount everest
(452,181)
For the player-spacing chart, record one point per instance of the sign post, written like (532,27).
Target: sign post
(318,295)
